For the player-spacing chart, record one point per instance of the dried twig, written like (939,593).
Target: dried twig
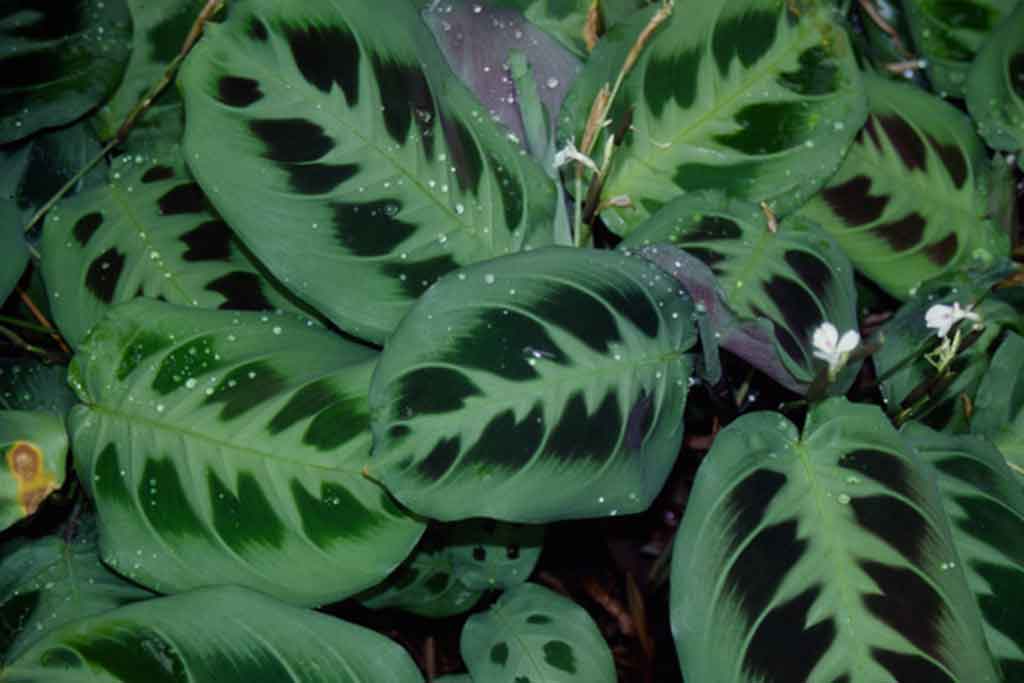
(38,315)
(869,8)
(593,28)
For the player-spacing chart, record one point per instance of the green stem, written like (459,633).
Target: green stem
(18,322)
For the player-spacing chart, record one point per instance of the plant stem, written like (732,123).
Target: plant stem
(27,300)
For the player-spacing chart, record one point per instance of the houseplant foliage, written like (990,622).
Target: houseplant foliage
(353,319)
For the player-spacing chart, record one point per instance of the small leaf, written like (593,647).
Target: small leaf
(490,555)
(34,446)
(31,385)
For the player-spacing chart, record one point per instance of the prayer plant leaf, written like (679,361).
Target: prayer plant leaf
(999,403)
(795,277)
(538,386)
(227,634)
(985,504)
(534,634)
(950,33)
(995,88)
(910,201)
(148,231)
(744,96)
(51,581)
(225,447)
(13,246)
(34,445)
(350,159)
(488,554)
(31,385)
(823,557)
(59,60)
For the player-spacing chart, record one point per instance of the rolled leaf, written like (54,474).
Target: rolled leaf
(34,445)
(538,386)
(229,635)
(823,557)
(535,634)
(995,86)
(350,159)
(227,448)
(757,98)
(910,200)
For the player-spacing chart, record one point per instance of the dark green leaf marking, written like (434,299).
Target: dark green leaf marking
(291,141)
(465,155)
(964,14)
(769,657)
(242,291)
(164,502)
(257,30)
(994,525)
(768,128)
(538,619)
(327,55)
(1009,622)
(184,198)
(712,228)
(319,178)
(343,420)
(941,253)
(734,179)
(246,387)
(129,651)
(909,604)
(335,515)
(1015,68)
(190,360)
(370,228)
(237,91)
(634,305)
(144,343)
(761,567)
(246,521)
(559,655)
(507,443)
(970,471)
(405,99)
(578,435)
(209,241)
(579,313)
(103,273)
(499,654)
(415,277)
(799,309)
(504,342)
(86,227)
(638,424)
(748,502)
(852,202)
(908,667)
(304,403)
(905,140)
(876,514)
(432,390)
(812,271)
(108,481)
(45,21)
(672,77)
(157,173)
(816,75)
(903,233)
(748,35)
(440,459)
(15,613)
(437,583)
(952,158)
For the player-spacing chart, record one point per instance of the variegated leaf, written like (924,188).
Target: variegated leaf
(985,504)
(950,33)
(757,98)
(910,200)
(999,403)
(149,231)
(34,445)
(229,635)
(821,558)
(49,582)
(227,447)
(795,276)
(59,60)
(535,634)
(350,159)
(538,386)
(488,554)
(995,86)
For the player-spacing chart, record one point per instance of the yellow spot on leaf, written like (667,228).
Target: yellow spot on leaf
(27,464)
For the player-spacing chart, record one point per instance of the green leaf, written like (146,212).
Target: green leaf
(985,504)
(31,385)
(454,678)
(995,86)
(350,159)
(910,200)
(538,386)
(950,33)
(534,634)
(487,554)
(744,97)
(49,582)
(229,635)
(821,558)
(148,231)
(796,277)
(12,246)
(34,445)
(60,59)
(999,403)
(227,447)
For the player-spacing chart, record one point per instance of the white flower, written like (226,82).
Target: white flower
(832,349)
(941,317)
(570,153)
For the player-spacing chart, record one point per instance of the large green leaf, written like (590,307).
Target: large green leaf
(12,246)
(796,277)
(52,581)
(228,635)
(985,504)
(148,231)
(995,88)
(999,406)
(738,95)
(227,447)
(538,386)
(34,445)
(59,60)
(350,159)
(821,558)
(535,634)
(949,33)
(910,201)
